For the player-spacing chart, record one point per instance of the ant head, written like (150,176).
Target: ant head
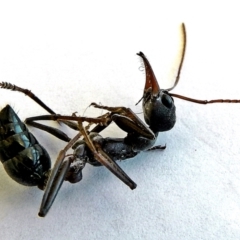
(159,110)
(158,106)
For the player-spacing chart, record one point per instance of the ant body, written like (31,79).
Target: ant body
(28,163)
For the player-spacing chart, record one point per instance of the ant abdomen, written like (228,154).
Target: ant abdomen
(23,158)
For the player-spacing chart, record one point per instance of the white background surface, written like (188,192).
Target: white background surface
(73,53)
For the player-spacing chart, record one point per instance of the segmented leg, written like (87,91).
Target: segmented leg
(158,147)
(127,120)
(105,160)
(27,92)
(56,178)
(31,95)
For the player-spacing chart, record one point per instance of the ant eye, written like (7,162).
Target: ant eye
(167,101)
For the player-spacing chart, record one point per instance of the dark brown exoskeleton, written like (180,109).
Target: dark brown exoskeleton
(159,114)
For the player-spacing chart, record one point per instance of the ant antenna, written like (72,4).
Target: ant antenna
(183,50)
(204,101)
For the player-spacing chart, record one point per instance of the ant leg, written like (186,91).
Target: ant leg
(127,120)
(53,131)
(158,147)
(31,95)
(27,92)
(102,121)
(105,160)
(56,178)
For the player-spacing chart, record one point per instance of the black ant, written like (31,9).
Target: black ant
(28,163)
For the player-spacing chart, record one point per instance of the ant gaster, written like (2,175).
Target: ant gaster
(28,163)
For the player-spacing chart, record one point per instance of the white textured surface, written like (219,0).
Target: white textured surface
(74,53)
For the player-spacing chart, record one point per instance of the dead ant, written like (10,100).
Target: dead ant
(28,163)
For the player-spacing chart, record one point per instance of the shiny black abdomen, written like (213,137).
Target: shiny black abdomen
(23,158)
